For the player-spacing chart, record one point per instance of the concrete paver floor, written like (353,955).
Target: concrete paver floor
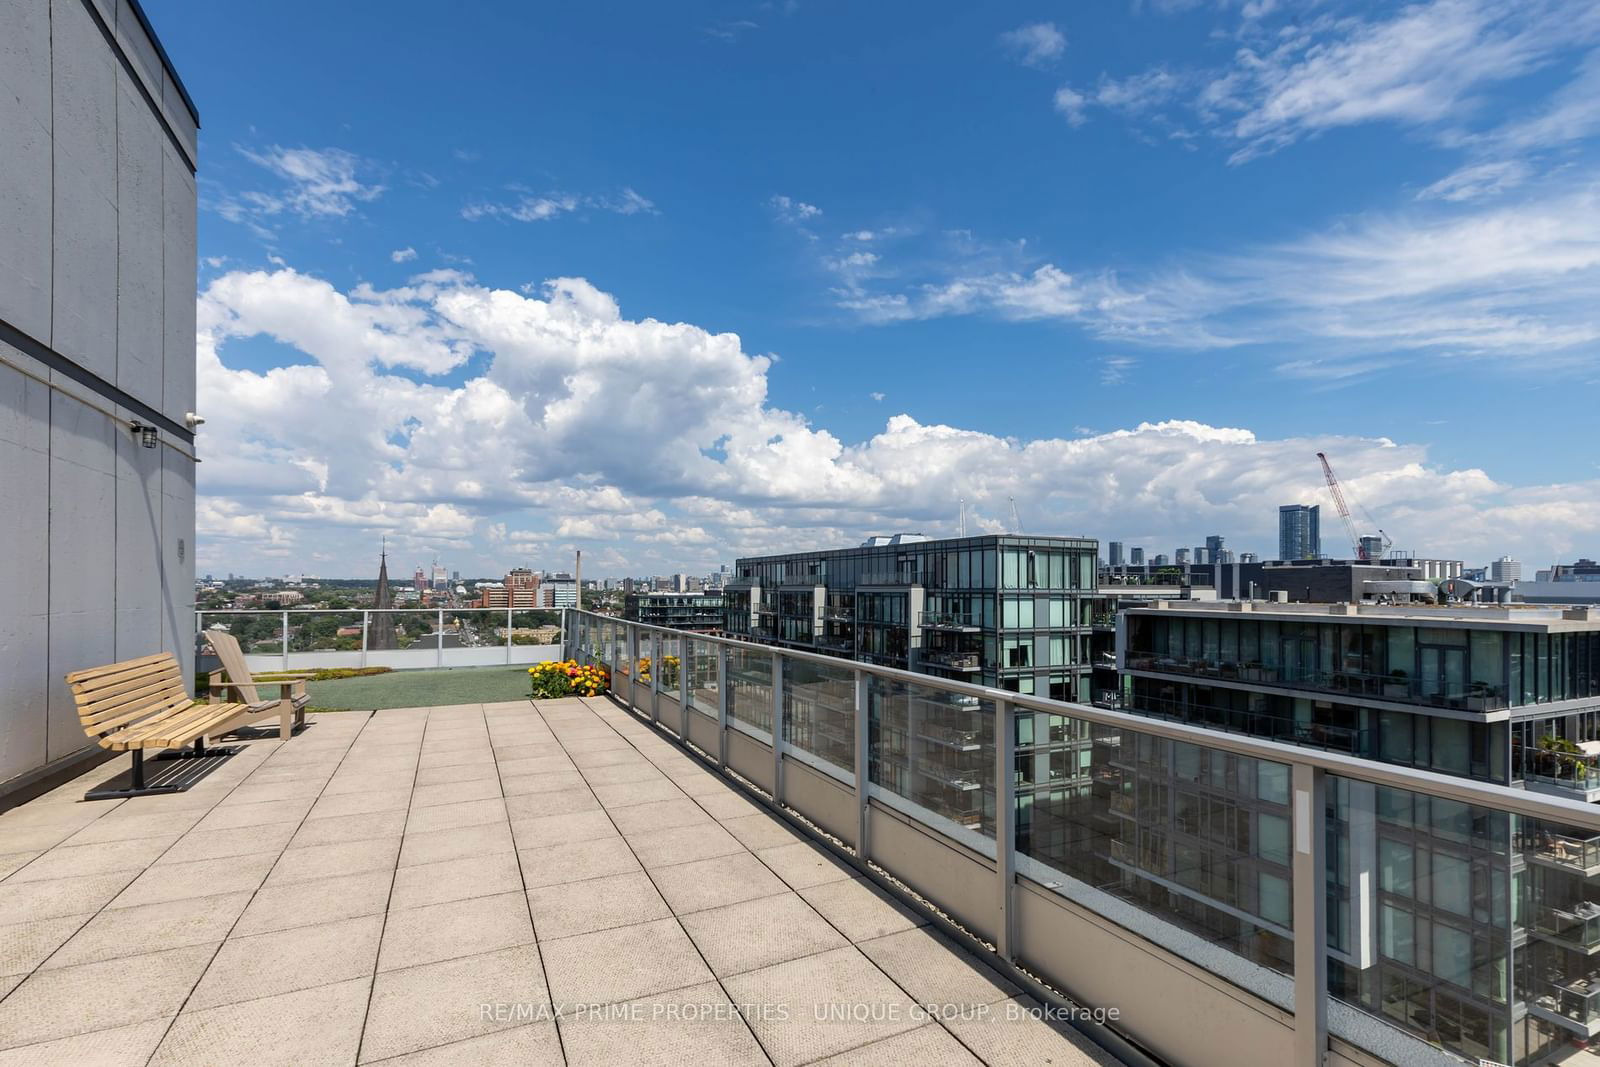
(502,883)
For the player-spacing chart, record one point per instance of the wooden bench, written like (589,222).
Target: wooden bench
(140,705)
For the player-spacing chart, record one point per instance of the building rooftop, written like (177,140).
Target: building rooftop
(503,882)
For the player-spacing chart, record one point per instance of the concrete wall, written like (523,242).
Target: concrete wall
(97,321)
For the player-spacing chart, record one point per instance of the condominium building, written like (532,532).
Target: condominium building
(1476,930)
(1299,532)
(97,365)
(1011,612)
(558,591)
(695,612)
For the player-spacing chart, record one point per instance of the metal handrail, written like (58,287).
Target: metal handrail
(1516,801)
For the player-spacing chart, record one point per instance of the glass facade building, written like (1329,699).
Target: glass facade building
(1011,612)
(1299,532)
(695,612)
(1476,930)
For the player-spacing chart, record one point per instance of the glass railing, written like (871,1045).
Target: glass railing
(1213,851)
(945,620)
(955,661)
(1577,772)
(1393,686)
(311,638)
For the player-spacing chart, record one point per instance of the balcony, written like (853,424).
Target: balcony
(1577,927)
(1395,686)
(505,881)
(966,662)
(1581,854)
(950,623)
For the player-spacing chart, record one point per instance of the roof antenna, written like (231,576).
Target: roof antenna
(1016,520)
(963,522)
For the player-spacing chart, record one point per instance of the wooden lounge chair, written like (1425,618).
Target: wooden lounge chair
(290,707)
(141,705)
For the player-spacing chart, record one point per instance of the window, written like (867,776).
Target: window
(1452,954)
(1018,653)
(1399,935)
(1274,898)
(1396,870)
(1452,884)
(1272,838)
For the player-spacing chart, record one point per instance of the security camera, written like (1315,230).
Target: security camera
(192,419)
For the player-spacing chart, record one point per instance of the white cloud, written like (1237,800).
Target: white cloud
(1302,70)
(790,210)
(1072,105)
(543,207)
(317,182)
(403,255)
(1114,369)
(1035,44)
(1478,180)
(585,427)
(877,396)
(1514,280)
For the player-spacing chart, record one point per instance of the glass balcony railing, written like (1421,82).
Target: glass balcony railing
(1574,772)
(970,662)
(296,639)
(1394,686)
(945,620)
(1579,927)
(1576,853)
(1253,860)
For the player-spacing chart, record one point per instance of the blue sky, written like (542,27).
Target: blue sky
(1132,264)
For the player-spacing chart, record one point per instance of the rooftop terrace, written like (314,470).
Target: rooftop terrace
(470,882)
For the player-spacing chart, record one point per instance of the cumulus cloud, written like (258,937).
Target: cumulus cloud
(403,255)
(579,426)
(1035,44)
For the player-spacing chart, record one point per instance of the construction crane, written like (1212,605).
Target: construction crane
(1016,520)
(1357,542)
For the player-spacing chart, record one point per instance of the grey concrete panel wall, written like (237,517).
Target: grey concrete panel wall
(24,628)
(177,559)
(140,515)
(141,288)
(25,211)
(84,87)
(82,556)
(97,263)
(178,268)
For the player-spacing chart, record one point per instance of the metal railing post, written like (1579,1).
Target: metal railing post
(863,768)
(440,628)
(777,728)
(366,621)
(630,648)
(685,657)
(286,640)
(655,675)
(1310,915)
(1005,813)
(723,698)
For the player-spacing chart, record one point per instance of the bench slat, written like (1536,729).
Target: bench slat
(175,730)
(77,677)
(149,693)
(114,684)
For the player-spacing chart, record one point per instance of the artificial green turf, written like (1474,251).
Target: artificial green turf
(422,689)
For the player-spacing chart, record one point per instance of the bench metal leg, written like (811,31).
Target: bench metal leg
(199,751)
(138,787)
